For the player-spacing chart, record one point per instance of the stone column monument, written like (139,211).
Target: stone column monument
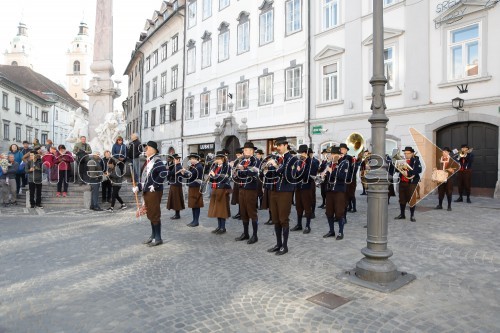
(102,90)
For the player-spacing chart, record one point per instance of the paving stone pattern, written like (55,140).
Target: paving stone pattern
(81,271)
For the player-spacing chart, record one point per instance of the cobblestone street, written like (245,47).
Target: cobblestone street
(81,271)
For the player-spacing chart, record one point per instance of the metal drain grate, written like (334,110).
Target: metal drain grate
(328,300)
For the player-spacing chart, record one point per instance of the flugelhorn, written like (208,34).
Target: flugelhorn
(401,165)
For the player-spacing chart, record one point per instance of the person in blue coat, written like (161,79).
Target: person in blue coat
(119,152)
(281,195)
(337,172)
(194,178)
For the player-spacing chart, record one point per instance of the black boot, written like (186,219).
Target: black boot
(237,216)
(218,226)
(299,224)
(412,214)
(150,239)
(402,214)
(176,216)
(448,197)
(341,230)
(255,226)
(284,248)
(354,205)
(460,199)
(279,243)
(468,199)
(157,241)
(313,209)
(440,204)
(244,235)
(307,229)
(331,232)
(364,191)
(270,221)
(323,203)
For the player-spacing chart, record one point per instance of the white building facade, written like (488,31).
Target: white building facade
(25,115)
(431,48)
(33,106)
(161,54)
(246,70)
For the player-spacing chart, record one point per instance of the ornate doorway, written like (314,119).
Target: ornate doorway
(232,143)
(483,138)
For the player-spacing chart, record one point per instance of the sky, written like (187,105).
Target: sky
(53,24)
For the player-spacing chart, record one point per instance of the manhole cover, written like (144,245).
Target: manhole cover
(328,300)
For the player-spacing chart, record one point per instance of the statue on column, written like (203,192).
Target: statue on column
(107,132)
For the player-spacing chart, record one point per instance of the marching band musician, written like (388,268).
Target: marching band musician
(314,173)
(322,168)
(235,198)
(267,184)
(281,194)
(390,178)
(175,199)
(247,179)
(351,186)
(195,196)
(337,173)
(408,181)
(465,173)
(363,169)
(445,163)
(344,156)
(151,185)
(219,177)
(303,193)
(259,154)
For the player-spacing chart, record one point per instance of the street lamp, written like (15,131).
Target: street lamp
(375,270)
(458,104)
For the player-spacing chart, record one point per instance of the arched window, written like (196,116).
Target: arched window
(76,67)
(14,63)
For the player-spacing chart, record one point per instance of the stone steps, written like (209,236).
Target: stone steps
(78,196)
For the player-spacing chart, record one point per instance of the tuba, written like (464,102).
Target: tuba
(356,143)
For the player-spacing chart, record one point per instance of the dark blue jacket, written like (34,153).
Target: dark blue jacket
(310,170)
(466,162)
(119,151)
(285,176)
(222,178)
(417,170)
(196,175)
(336,180)
(155,177)
(174,176)
(248,177)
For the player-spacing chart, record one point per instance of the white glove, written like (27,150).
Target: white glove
(135,189)
(151,188)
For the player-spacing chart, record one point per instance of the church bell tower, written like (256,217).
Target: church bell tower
(78,66)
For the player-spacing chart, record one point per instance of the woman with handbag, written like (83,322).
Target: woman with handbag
(219,180)
(442,176)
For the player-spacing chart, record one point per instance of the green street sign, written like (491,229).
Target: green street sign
(317,129)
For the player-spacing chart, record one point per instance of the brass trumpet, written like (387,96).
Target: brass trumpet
(459,153)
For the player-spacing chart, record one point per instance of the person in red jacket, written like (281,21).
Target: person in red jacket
(63,161)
